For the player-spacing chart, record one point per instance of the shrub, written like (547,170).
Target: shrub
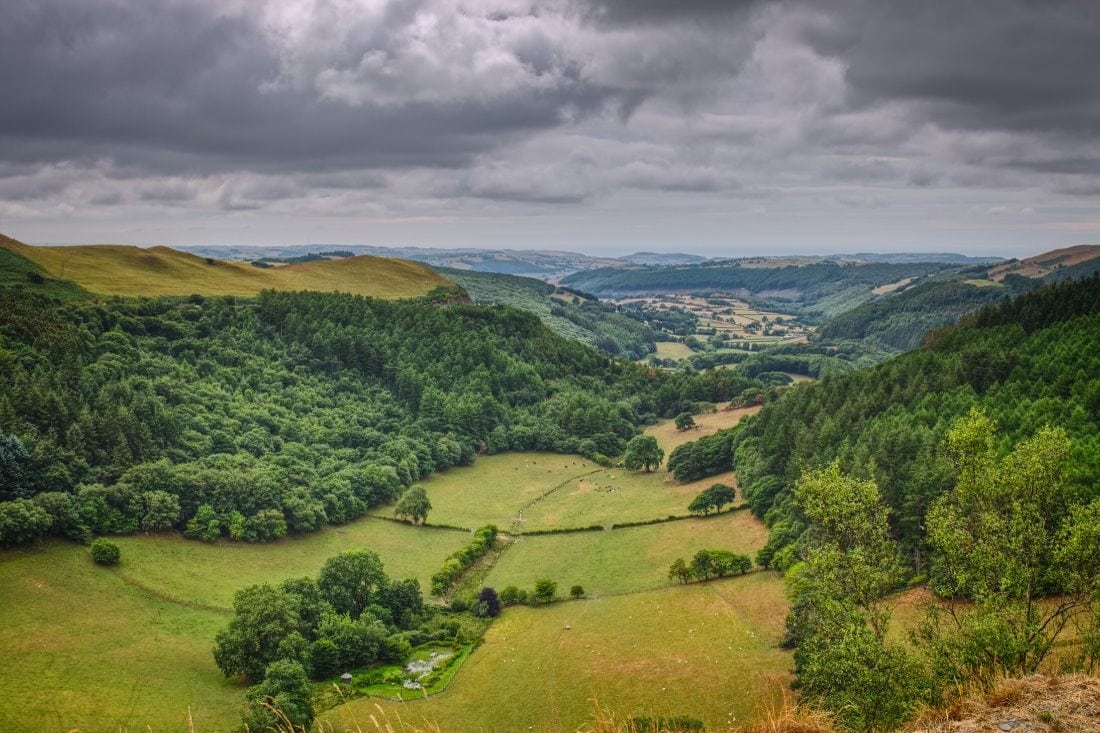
(105,552)
(545,590)
(512,595)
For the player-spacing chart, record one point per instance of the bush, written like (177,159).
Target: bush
(105,552)
(512,595)
(545,590)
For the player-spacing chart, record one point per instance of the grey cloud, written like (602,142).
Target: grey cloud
(447,108)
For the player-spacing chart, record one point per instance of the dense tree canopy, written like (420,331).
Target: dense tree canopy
(1032,362)
(251,418)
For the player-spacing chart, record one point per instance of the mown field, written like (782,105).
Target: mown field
(495,489)
(613,495)
(126,648)
(124,270)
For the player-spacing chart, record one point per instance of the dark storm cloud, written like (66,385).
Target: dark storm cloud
(1019,65)
(182,86)
(405,108)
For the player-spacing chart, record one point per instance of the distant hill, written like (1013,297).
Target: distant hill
(542,264)
(567,313)
(951,257)
(812,288)
(900,320)
(663,258)
(134,271)
(1048,263)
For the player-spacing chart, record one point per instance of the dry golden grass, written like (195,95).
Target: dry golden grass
(109,269)
(1039,703)
(706,424)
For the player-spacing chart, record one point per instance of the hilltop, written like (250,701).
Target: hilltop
(108,269)
(1047,263)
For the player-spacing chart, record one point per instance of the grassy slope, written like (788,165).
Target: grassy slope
(614,495)
(83,649)
(124,648)
(622,560)
(495,488)
(210,574)
(708,651)
(124,270)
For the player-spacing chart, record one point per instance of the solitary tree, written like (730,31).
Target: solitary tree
(414,505)
(716,497)
(576,592)
(642,452)
(684,421)
(1000,539)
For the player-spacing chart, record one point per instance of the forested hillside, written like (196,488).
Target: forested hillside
(1032,362)
(901,322)
(603,325)
(252,417)
(816,290)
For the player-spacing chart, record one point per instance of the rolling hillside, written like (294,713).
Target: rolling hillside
(1044,264)
(133,271)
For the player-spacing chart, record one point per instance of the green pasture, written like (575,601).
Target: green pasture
(496,488)
(209,574)
(614,495)
(708,651)
(622,560)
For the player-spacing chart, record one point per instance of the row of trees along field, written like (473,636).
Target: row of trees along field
(1032,362)
(254,417)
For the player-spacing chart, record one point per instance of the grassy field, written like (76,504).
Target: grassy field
(123,270)
(614,495)
(708,651)
(120,649)
(200,573)
(673,350)
(83,649)
(130,647)
(707,423)
(496,488)
(622,560)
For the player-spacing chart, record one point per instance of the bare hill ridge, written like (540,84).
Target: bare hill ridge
(110,269)
(1043,264)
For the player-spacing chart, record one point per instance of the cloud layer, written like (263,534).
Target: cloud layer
(606,126)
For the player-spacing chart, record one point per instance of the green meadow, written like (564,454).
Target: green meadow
(623,560)
(708,651)
(129,648)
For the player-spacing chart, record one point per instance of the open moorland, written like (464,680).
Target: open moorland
(125,270)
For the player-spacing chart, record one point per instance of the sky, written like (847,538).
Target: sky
(598,126)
